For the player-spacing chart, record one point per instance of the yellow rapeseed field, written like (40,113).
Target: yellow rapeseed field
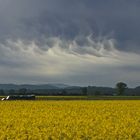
(70,120)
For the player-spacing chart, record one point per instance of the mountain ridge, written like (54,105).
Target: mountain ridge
(33,86)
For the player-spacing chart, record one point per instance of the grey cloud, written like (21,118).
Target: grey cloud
(74,41)
(36,20)
(98,62)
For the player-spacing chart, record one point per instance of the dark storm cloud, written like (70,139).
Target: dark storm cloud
(37,19)
(73,41)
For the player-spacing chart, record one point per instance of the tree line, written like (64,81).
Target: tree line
(120,89)
(83,91)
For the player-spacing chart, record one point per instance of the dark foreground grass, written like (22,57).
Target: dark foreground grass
(88,97)
(85,97)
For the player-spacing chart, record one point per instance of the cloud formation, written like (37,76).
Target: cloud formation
(66,61)
(34,19)
(76,42)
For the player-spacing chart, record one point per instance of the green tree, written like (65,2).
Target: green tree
(23,91)
(97,93)
(84,90)
(2,92)
(64,92)
(11,91)
(121,88)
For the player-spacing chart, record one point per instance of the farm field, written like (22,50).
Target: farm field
(70,120)
(84,97)
(88,97)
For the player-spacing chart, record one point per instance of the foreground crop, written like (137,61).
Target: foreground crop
(70,120)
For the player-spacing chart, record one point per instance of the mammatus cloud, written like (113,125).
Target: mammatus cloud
(68,61)
(33,19)
(65,41)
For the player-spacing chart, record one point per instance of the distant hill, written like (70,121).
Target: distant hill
(64,89)
(33,87)
(59,85)
(72,87)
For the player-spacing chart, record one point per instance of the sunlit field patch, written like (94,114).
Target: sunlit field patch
(69,120)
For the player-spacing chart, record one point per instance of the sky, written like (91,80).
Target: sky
(77,42)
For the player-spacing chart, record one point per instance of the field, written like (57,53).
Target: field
(88,97)
(70,120)
(84,98)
